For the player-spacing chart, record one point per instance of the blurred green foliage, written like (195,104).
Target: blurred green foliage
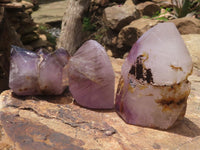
(43,29)
(87,25)
(184,7)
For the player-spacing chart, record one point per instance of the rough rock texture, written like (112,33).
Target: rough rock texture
(8,37)
(187,25)
(163,3)
(19,15)
(39,121)
(16,5)
(100,2)
(192,43)
(118,16)
(43,118)
(148,8)
(43,15)
(129,34)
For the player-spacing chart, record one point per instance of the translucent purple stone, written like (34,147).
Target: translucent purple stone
(37,73)
(153,88)
(91,77)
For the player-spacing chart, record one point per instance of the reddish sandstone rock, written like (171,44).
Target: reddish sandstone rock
(42,117)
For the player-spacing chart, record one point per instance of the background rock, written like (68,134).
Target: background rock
(27,39)
(8,37)
(16,5)
(187,25)
(130,34)
(148,8)
(118,16)
(192,43)
(163,3)
(50,12)
(37,44)
(100,2)
(19,16)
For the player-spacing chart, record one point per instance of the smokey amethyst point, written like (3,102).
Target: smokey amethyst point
(51,73)
(153,88)
(37,73)
(91,77)
(23,71)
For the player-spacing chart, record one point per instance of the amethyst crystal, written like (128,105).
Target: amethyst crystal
(37,73)
(91,77)
(153,88)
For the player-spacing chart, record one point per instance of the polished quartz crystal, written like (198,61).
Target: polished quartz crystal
(153,88)
(91,77)
(37,73)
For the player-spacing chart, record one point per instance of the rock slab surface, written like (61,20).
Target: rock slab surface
(43,15)
(57,123)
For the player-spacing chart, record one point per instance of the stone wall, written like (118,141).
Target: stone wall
(8,37)
(19,14)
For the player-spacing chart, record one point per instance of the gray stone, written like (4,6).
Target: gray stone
(118,16)
(50,12)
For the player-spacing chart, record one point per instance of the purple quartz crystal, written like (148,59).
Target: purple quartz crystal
(153,88)
(37,73)
(91,77)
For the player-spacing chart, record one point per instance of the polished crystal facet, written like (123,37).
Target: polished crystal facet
(91,77)
(37,73)
(153,88)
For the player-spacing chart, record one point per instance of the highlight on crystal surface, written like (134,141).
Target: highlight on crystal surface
(37,73)
(153,88)
(91,77)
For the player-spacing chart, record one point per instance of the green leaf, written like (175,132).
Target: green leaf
(162,19)
(185,9)
(87,25)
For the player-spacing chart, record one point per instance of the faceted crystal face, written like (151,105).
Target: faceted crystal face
(37,73)
(153,88)
(91,77)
